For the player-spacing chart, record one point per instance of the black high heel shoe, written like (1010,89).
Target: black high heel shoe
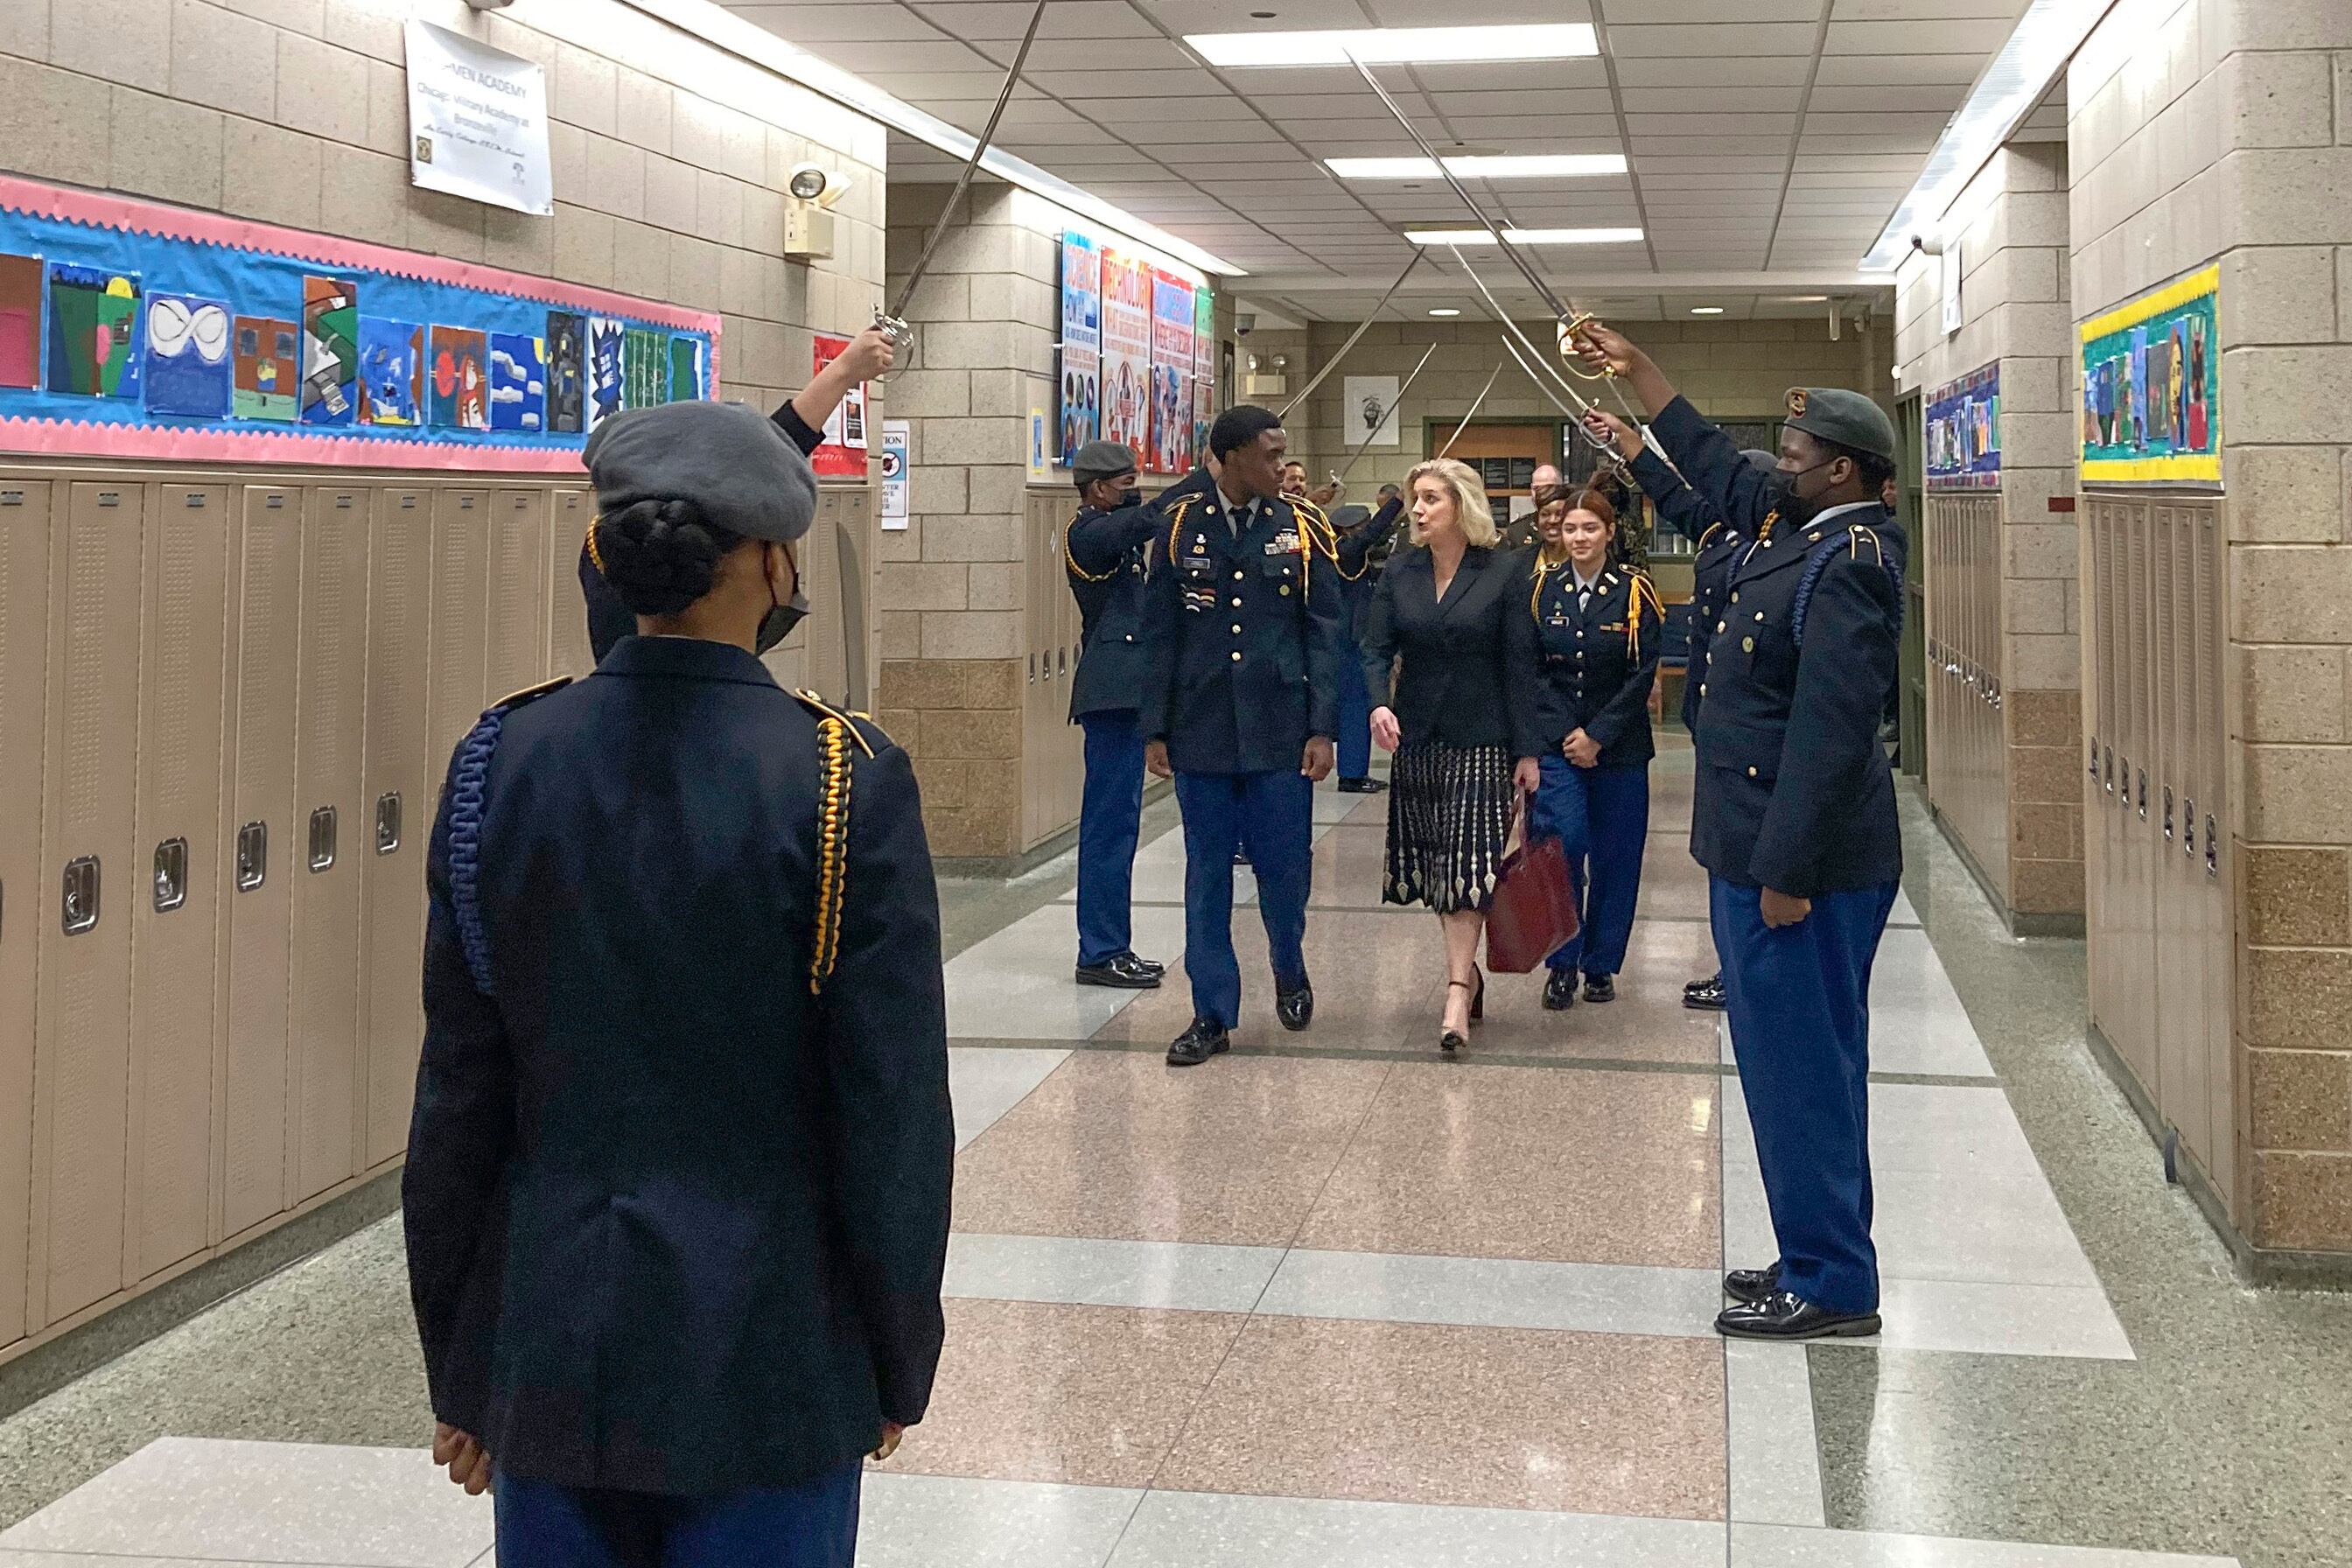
(1450,1041)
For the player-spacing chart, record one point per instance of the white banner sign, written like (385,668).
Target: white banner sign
(478,121)
(895,434)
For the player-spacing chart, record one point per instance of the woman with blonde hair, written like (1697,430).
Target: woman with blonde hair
(1596,619)
(1446,631)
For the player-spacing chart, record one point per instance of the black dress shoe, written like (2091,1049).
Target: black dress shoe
(1206,1038)
(1705,996)
(1752,1285)
(1152,964)
(1295,1008)
(1559,991)
(1362,786)
(1241,857)
(1783,1316)
(1600,988)
(1121,971)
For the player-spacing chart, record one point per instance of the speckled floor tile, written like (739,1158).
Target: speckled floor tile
(1646,1023)
(269,1502)
(1206,1529)
(1592,1167)
(952,1521)
(85,1559)
(1461,1416)
(1376,974)
(1078,1271)
(985,1084)
(1118,1144)
(1017,985)
(1773,1546)
(1496,1292)
(1090,1395)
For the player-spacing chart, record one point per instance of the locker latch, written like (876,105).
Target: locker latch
(2167,813)
(252,855)
(2094,756)
(170,875)
(322,838)
(2109,779)
(2143,794)
(2212,849)
(2189,828)
(80,903)
(387,823)
(2124,774)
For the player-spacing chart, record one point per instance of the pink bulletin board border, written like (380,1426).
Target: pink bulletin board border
(229,443)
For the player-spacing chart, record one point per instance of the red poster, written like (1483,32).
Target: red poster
(843,454)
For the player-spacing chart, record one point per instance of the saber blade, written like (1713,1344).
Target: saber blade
(1354,338)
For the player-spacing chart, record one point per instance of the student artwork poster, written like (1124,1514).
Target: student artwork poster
(1962,432)
(1127,352)
(1079,397)
(1205,369)
(2151,388)
(1172,375)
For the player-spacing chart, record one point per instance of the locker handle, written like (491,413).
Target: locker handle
(322,838)
(2109,780)
(170,875)
(387,822)
(2094,756)
(2167,813)
(2143,794)
(1032,668)
(2212,849)
(2189,828)
(252,855)
(80,894)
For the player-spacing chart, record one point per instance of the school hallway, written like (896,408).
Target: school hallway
(1331,1299)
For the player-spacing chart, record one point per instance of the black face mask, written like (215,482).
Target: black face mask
(1129,498)
(778,623)
(1781,489)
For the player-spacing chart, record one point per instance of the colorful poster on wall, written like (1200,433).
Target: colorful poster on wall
(1172,375)
(1127,351)
(93,333)
(604,383)
(1080,407)
(391,372)
(187,370)
(644,369)
(518,382)
(896,436)
(843,453)
(1205,369)
(129,330)
(1962,432)
(2152,388)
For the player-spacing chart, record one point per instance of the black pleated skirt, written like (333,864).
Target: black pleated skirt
(1449,815)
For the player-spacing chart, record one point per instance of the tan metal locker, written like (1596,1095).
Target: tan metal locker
(568,651)
(2178,979)
(457,681)
(331,829)
(399,780)
(262,851)
(25,548)
(2098,820)
(818,555)
(518,607)
(174,902)
(2209,859)
(82,1032)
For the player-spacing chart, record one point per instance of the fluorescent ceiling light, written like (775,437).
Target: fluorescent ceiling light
(1480,166)
(2047,38)
(1706,310)
(1525,236)
(747,40)
(1398,46)
(1445,311)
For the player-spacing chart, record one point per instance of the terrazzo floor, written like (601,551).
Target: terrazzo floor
(1330,1300)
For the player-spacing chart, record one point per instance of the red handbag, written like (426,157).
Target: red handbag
(1533,914)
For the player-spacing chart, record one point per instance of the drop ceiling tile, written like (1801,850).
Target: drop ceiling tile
(1620,12)
(1977,36)
(1890,141)
(928,89)
(1544,127)
(1894,71)
(1727,39)
(1905,163)
(814,25)
(1007,20)
(1180,83)
(1701,123)
(1527,100)
(1646,148)
(1715,70)
(1536,76)
(1742,163)
(1720,100)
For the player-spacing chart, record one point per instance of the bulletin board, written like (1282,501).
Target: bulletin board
(130,329)
(1962,432)
(2152,388)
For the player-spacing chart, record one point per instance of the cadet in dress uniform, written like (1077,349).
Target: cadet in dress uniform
(1795,820)
(869,354)
(1691,515)
(1597,633)
(1104,553)
(677,1179)
(1241,699)
(1360,535)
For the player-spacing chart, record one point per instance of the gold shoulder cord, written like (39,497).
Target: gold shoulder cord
(1641,585)
(595,556)
(832,850)
(1071,561)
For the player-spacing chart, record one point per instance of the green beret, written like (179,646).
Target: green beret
(1848,418)
(1102,460)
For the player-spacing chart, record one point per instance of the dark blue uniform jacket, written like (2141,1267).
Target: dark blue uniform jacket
(1599,661)
(675,1223)
(1242,636)
(609,620)
(1355,549)
(1793,791)
(1103,554)
(1692,516)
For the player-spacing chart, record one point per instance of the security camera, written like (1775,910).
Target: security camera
(816,183)
(1927,247)
(1245,324)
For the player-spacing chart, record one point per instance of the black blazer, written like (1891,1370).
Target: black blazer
(1463,679)
(674,1223)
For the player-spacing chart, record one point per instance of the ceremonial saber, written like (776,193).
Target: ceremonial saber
(1353,338)
(1533,357)
(893,322)
(1476,404)
(1387,414)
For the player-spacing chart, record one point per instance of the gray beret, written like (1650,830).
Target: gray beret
(1351,517)
(1848,418)
(1759,458)
(741,471)
(1103,460)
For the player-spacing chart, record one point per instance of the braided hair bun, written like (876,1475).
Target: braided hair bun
(661,555)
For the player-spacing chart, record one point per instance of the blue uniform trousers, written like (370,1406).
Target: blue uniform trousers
(1271,814)
(814,1525)
(1355,739)
(1800,1005)
(1108,826)
(1601,816)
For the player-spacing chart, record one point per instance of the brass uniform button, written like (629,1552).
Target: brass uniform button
(1752,772)
(1237,655)
(1748,644)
